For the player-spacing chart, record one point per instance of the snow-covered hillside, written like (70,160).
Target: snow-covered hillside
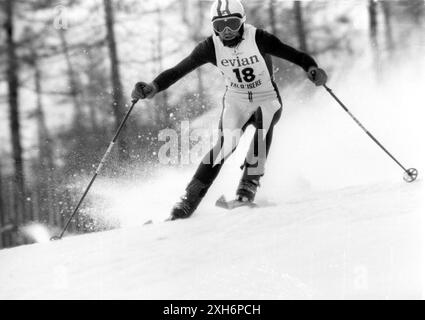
(356,242)
(337,219)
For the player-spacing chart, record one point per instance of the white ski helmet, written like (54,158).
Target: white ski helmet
(223,8)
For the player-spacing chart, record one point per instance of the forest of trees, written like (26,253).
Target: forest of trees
(66,71)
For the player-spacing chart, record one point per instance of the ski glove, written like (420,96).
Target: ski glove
(143,90)
(318,76)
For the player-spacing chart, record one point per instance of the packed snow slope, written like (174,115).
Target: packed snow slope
(336,218)
(356,242)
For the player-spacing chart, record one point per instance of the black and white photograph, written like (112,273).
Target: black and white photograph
(212,155)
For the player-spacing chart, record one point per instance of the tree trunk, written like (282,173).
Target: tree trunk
(118,104)
(72,80)
(373,33)
(299,25)
(46,165)
(197,36)
(386,8)
(2,211)
(92,101)
(163,97)
(184,8)
(373,23)
(5,225)
(272,16)
(195,29)
(15,128)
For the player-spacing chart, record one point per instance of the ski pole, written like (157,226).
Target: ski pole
(410,175)
(99,168)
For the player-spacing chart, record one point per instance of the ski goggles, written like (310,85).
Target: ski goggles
(233,23)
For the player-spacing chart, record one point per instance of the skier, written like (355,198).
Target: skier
(242,53)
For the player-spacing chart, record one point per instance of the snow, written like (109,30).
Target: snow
(357,242)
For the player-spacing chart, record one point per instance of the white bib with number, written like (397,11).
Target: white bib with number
(245,69)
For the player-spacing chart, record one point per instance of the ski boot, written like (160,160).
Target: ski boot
(247,189)
(188,203)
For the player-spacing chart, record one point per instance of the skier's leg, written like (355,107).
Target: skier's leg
(254,166)
(233,123)
(231,128)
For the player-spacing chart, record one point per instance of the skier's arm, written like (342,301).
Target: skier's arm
(202,54)
(168,77)
(270,44)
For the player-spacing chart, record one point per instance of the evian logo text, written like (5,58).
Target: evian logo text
(237,62)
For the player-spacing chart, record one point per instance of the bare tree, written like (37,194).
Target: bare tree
(272,16)
(299,26)
(15,127)
(386,8)
(5,226)
(72,79)
(184,11)
(118,104)
(373,23)
(373,34)
(197,37)
(161,99)
(194,27)
(2,211)
(45,143)
(415,9)
(97,82)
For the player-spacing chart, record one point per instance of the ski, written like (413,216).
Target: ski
(233,204)
(151,222)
